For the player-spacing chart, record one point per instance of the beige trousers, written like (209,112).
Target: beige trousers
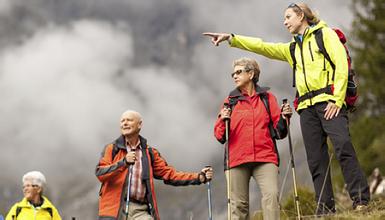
(266,176)
(136,211)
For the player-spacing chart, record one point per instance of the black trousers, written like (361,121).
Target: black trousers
(315,130)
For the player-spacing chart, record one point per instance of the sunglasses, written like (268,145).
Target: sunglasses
(293,5)
(239,72)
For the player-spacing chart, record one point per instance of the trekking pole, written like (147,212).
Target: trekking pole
(284,182)
(128,189)
(323,184)
(227,168)
(296,197)
(209,197)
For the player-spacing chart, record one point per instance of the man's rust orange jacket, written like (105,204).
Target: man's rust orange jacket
(112,171)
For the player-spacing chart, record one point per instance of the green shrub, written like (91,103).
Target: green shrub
(306,202)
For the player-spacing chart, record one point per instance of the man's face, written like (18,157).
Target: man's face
(30,190)
(130,124)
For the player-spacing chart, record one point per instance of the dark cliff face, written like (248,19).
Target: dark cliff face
(68,69)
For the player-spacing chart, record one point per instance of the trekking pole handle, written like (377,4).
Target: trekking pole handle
(227,120)
(284,101)
(208,166)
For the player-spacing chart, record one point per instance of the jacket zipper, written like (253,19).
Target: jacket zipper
(303,62)
(311,54)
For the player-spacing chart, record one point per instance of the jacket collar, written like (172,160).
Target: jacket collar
(25,204)
(311,29)
(121,144)
(236,93)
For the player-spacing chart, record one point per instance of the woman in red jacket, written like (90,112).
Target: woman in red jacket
(252,148)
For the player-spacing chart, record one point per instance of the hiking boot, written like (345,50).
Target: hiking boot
(361,208)
(325,211)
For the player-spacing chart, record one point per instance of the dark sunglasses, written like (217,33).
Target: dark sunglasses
(239,72)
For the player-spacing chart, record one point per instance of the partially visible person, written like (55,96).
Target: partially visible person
(256,121)
(321,87)
(130,163)
(377,183)
(34,205)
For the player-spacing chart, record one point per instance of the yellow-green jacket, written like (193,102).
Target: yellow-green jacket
(310,73)
(28,212)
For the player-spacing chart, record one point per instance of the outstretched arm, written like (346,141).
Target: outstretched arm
(278,51)
(178,178)
(217,38)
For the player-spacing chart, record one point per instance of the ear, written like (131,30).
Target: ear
(303,16)
(140,125)
(40,190)
(252,74)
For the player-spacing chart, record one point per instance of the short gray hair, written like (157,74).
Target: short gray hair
(250,64)
(137,114)
(36,177)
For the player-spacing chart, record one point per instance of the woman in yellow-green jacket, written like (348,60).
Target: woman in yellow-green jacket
(34,205)
(321,106)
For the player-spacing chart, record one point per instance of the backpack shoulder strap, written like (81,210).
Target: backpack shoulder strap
(18,210)
(233,100)
(292,54)
(321,46)
(265,99)
(151,155)
(115,151)
(49,210)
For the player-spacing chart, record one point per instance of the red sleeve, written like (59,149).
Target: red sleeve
(220,127)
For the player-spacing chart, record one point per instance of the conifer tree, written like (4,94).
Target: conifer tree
(367,43)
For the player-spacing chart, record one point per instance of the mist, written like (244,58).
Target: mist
(68,69)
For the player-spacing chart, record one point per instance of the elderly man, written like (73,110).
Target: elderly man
(127,169)
(34,205)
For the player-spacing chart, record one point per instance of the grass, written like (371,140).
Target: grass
(375,210)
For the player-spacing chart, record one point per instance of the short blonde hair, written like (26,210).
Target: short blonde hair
(310,16)
(249,64)
(36,177)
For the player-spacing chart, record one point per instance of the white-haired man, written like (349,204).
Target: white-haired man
(34,205)
(130,160)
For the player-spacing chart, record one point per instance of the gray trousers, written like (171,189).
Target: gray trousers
(266,176)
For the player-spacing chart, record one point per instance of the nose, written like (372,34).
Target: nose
(285,22)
